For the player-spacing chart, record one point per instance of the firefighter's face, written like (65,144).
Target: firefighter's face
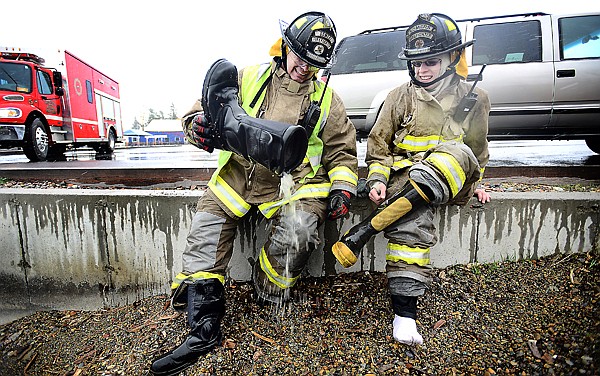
(427,70)
(298,70)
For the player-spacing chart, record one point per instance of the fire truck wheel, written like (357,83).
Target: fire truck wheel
(35,144)
(109,146)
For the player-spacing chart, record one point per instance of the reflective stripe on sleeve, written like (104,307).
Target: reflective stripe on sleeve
(422,143)
(343,173)
(378,168)
(228,196)
(402,163)
(268,209)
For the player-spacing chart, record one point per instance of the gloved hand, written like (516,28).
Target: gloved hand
(362,189)
(203,133)
(339,204)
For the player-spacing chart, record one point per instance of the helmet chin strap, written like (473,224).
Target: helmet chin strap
(450,70)
(283,55)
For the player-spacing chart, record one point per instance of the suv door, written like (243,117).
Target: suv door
(518,76)
(577,73)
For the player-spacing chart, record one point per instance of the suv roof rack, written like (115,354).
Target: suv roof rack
(394,28)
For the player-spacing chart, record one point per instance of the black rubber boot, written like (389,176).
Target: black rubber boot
(405,306)
(206,308)
(348,248)
(280,147)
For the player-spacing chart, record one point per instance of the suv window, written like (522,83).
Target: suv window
(579,37)
(372,52)
(513,42)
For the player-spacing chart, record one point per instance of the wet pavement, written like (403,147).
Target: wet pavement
(502,153)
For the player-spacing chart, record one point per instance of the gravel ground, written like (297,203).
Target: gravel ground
(532,317)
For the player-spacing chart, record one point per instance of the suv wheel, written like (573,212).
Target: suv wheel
(593,143)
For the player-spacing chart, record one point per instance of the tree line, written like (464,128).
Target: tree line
(152,114)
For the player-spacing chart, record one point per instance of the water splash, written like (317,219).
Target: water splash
(291,223)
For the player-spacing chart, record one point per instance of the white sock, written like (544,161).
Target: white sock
(405,331)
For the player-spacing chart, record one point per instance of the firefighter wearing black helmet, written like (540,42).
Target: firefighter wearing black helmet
(233,113)
(420,156)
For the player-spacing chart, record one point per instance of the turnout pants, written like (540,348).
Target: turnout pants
(279,262)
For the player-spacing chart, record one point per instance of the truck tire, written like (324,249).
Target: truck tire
(35,142)
(593,143)
(109,146)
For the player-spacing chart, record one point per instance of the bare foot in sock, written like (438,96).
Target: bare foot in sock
(405,331)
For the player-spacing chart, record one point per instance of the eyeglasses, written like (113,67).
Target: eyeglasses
(302,64)
(429,63)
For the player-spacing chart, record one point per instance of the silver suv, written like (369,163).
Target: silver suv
(542,74)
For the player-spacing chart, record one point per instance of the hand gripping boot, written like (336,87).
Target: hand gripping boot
(348,248)
(280,147)
(206,308)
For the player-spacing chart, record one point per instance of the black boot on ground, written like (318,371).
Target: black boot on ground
(280,147)
(206,308)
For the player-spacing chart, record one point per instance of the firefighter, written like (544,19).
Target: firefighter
(420,155)
(284,91)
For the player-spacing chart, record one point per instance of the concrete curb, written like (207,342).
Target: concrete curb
(86,249)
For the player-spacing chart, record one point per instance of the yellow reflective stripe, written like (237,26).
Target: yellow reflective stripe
(252,80)
(315,144)
(450,168)
(410,255)
(481,172)
(343,173)
(422,143)
(273,276)
(228,196)
(378,168)
(413,143)
(305,191)
(181,277)
(403,163)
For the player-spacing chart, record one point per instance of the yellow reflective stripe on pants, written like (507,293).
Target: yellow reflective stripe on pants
(228,196)
(450,168)
(273,276)
(181,277)
(268,209)
(343,174)
(378,168)
(410,255)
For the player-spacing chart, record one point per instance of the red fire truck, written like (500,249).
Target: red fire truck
(46,110)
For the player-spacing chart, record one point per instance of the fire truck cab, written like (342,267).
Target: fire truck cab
(47,109)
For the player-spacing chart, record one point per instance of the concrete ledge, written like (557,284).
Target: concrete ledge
(82,249)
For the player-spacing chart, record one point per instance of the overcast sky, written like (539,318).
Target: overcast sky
(159,51)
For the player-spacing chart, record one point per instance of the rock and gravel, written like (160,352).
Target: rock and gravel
(530,317)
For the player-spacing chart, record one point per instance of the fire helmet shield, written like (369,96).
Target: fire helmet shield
(430,35)
(311,36)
